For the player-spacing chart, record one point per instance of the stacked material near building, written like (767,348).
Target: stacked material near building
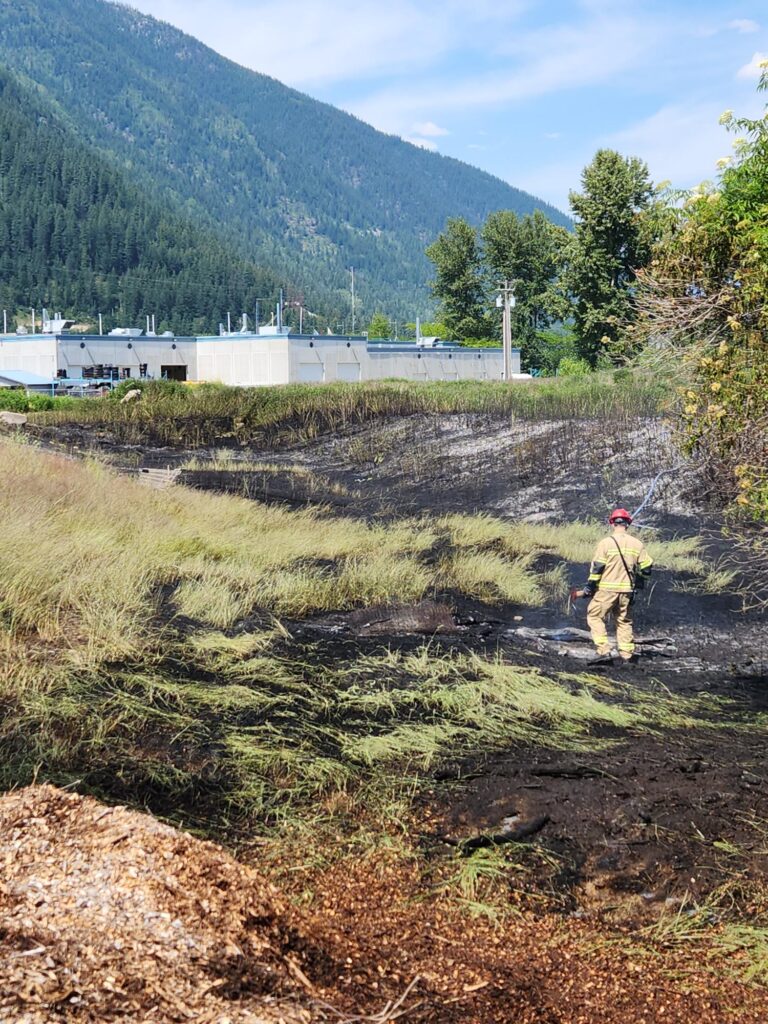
(263,357)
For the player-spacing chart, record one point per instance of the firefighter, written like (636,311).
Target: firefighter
(620,567)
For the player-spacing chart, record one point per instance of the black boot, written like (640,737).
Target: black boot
(601,659)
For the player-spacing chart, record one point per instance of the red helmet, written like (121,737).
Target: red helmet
(620,513)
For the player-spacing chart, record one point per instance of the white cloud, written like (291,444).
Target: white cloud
(302,41)
(744,25)
(430,129)
(544,61)
(552,135)
(414,140)
(306,43)
(679,142)
(753,69)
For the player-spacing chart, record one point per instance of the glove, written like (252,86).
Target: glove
(576,594)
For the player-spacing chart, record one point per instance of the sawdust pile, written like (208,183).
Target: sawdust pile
(108,914)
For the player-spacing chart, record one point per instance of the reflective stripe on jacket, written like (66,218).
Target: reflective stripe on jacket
(607,571)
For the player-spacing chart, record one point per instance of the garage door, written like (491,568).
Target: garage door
(311,372)
(349,371)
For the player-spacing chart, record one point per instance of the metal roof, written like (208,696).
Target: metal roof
(22,378)
(377,347)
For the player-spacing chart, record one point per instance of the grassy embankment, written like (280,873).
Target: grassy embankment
(197,416)
(143,651)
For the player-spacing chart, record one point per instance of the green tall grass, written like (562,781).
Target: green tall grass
(212,414)
(142,650)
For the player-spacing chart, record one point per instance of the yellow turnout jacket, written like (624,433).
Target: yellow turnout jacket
(607,571)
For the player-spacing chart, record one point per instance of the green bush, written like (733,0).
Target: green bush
(40,403)
(573,367)
(13,400)
(17,400)
(59,404)
(547,349)
(150,389)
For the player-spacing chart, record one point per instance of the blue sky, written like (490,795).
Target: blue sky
(525,90)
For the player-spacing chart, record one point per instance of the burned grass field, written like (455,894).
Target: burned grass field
(342,656)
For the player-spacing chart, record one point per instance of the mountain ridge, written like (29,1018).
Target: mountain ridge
(75,235)
(287,180)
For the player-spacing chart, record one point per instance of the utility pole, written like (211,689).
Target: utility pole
(352,272)
(506,300)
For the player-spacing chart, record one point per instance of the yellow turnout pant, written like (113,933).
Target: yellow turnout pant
(608,602)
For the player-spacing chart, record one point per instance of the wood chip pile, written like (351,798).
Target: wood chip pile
(107,914)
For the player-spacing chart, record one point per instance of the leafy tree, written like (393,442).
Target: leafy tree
(570,367)
(430,328)
(612,240)
(458,283)
(528,251)
(379,326)
(551,347)
(704,297)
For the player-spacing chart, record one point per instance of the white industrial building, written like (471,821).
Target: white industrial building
(263,357)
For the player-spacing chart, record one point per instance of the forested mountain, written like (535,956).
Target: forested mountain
(291,182)
(75,235)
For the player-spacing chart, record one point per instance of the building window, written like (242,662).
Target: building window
(173,372)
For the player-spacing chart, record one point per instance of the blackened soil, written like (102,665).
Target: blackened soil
(637,823)
(556,470)
(656,818)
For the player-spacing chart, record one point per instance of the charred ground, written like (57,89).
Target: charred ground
(658,827)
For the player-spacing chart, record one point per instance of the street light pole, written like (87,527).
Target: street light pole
(352,272)
(507,301)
